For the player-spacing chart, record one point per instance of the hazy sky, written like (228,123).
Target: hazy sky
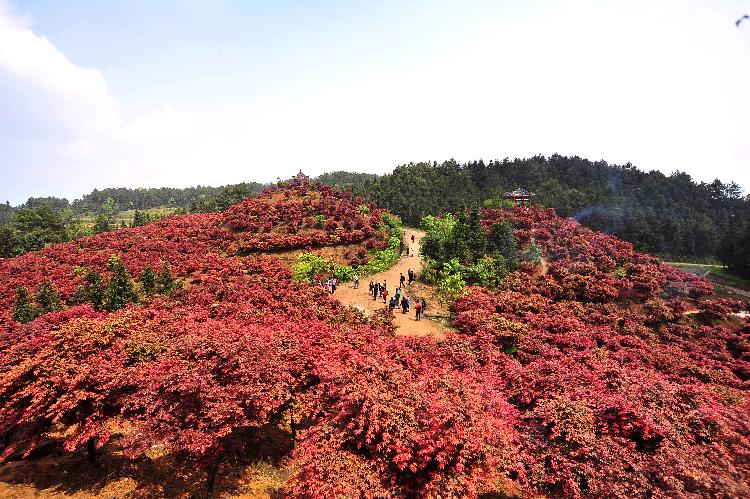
(152,93)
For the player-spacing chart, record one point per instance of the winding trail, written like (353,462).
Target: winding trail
(407,324)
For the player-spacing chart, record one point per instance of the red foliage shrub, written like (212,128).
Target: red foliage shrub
(585,375)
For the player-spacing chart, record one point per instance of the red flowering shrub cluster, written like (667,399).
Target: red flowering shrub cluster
(619,392)
(279,218)
(590,266)
(592,378)
(305,216)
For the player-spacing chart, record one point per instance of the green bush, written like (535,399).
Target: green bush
(308,266)
(148,280)
(451,287)
(120,290)
(382,260)
(498,202)
(24,311)
(47,297)
(344,273)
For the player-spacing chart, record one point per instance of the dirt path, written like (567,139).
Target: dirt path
(407,325)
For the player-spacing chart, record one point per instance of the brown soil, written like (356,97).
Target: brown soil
(407,323)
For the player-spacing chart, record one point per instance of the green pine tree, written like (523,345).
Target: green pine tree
(95,289)
(148,280)
(24,311)
(101,224)
(165,282)
(120,290)
(503,242)
(139,218)
(47,297)
(80,295)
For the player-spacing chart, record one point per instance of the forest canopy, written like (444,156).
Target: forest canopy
(672,216)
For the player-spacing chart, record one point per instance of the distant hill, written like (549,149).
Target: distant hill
(669,215)
(672,216)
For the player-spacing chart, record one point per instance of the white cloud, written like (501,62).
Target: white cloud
(77,98)
(661,85)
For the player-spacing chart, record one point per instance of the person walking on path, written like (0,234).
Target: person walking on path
(404,305)
(424,307)
(398,294)
(385,295)
(411,250)
(375,291)
(412,238)
(334,282)
(356,280)
(401,280)
(418,310)
(392,303)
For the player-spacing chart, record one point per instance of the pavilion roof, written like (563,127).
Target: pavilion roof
(519,193)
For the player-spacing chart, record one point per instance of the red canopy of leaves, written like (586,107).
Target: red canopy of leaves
(585,375)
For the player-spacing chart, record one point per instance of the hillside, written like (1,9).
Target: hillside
(670,215)
(200,352)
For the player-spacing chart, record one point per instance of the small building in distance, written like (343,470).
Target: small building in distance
(300,179)
(521,197)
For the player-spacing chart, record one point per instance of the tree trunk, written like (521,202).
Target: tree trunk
(91,451)
(211,480)
(293,427)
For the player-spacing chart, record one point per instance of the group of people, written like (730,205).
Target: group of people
(412,277)
(410,248)
(411,251)
(378,290)
(398,299)
(330,285)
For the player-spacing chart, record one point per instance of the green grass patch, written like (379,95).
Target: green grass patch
(716,273)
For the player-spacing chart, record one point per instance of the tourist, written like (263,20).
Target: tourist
(412,238)
(401,280)
(356,280)
(418,310)
(404,305)
(392,303)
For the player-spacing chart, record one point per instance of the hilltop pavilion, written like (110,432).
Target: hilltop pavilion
(521,197)
(300,179)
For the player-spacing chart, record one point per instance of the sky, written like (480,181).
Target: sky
(100,93)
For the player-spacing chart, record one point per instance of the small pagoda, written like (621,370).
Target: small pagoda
(300,179)
(521,197)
